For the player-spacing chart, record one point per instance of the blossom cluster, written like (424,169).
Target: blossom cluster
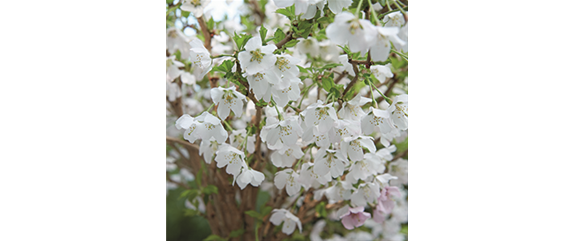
(324,124)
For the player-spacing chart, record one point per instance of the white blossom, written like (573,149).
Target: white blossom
(353,146)
(288,179)
(200,58)
(286,156)
(257,57)
(195,6)
(249,176)
(204,126)
(399,110)
(330,161)
(359,34)
(207,148)
(231,157)
(287,218)
(227,99)
(381,72)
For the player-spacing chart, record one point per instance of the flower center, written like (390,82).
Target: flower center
(354,26)
(256,55)
(282,64)
(195,2)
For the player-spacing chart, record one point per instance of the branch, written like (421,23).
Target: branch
(182,142)
(405,152)
(287,38)
(206,33)
(352,81)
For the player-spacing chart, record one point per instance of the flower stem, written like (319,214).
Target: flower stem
(277,109)
(373,102)
(400,54)
(374,14)
(389,5)
(359,8)
(399,6)
(385,97)
(227,125)
(208,109)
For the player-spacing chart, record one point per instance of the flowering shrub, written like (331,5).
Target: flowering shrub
(290,121)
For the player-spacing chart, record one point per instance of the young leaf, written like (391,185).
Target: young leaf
(241,40)
(263,33)
(236,233)
(278,36)
(291,43)
(210,189)
(254,214)
(214,237)
(210,23)
(327,83)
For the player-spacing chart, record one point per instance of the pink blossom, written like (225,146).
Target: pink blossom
(386,204)
(354,218)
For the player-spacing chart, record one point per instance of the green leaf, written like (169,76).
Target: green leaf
(210,189)
(266,210)
(321,210)
(168,1)
(263,34)
(226,66)
(291,43)
(331,65)
(210,23)
(254,214)
(236,233)
(327,83)
(289,12)
(214,237)
(302,70)
(278,36)
(185,14)
(241,40)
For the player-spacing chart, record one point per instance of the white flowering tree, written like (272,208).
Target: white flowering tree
(288,119)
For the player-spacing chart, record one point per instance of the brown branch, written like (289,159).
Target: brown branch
(182,142)
(352,81)
(258,11)
(340,77)
(405,152)
(287,38)
(206,33)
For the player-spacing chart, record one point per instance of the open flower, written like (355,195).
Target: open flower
(353,147)
(354,217)
(172,68)
(287,218)
(322,116)
(376,119)
(288,179)
(207,148)
(286,156)
(231,157)
(382,43)
(227,99)
(285,132)
(249,175)
(399,110)
(256,57)
(329,161)
(348,29)
(365,193)
(200,58)
(381,72)
(195,6)
(336,6)
(204,126)
(352,110)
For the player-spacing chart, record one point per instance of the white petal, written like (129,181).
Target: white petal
(184,122)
